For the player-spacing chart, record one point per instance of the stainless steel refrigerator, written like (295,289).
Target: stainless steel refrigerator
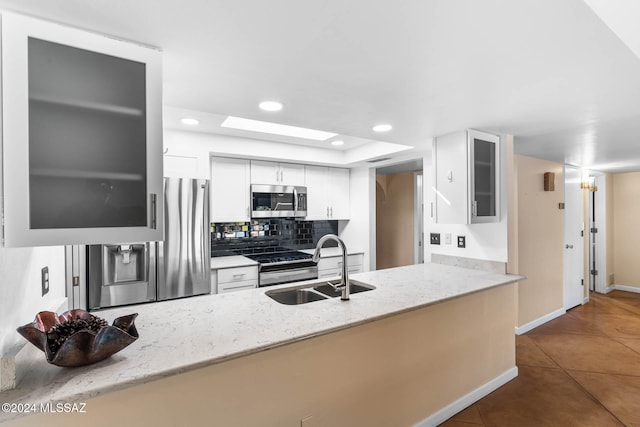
(184,258)
(122,274)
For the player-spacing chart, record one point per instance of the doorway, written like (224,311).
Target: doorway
(597,232)
(399,215)
(573,238)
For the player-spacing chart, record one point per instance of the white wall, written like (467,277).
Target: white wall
(192,148)
(359,232)
(20,285)
(20,288)
(203,145)
(483,241)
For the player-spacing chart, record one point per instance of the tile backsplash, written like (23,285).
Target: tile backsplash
(267,235)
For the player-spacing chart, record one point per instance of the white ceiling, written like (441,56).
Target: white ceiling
(549,72)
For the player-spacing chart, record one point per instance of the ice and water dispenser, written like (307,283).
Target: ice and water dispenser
(121,274)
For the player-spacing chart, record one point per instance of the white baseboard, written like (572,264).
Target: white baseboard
(450,410)
(585,300)
(609,289)
(539,321)
(625,288)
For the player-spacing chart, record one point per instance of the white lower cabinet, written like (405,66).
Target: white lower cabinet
(234,279)
(332,266)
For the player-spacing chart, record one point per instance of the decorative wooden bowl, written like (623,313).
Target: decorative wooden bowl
(77,338)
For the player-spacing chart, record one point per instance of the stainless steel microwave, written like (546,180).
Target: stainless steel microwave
(278,201)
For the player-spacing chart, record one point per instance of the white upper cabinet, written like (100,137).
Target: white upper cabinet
(338,198)
(82,136)
(230,199)
(317,188)
(275,173)
(466,169)
(180,166)
(327,193)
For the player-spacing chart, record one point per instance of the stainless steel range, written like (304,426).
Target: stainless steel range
(284,267)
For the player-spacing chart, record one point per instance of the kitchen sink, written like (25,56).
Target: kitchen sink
(315,292)
(295,296)
(355,287)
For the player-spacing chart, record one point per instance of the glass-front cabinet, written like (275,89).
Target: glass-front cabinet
(82,136)
(484,177)
(466,177)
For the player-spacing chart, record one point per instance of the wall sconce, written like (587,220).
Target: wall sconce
(549,181)
(589,184)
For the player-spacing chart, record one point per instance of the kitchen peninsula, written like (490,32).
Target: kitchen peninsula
(428,341)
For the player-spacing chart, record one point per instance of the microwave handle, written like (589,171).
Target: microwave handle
(295,200)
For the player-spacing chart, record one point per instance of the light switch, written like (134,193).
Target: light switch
(45,280)
(447,238)
(435,238)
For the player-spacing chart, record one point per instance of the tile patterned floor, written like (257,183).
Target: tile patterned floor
(581,369)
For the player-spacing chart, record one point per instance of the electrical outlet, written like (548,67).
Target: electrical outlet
(447,238)
(462,242)
(435,238)
(45,280)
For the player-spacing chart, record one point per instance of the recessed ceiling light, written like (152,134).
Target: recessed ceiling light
(189,121)
(337,142)
(270,106)
(382,128)
(275,129)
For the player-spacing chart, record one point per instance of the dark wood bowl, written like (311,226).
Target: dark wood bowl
(82,347)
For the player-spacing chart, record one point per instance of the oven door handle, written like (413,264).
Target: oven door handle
(295,201)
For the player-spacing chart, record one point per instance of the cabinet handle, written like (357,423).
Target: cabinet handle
(281,176)
(474,210)
(327,211)
(154,210)
(331,211)
(239,275)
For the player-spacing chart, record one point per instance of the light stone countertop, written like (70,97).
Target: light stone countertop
(181,335)
(231,261)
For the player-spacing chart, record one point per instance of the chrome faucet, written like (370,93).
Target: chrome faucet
(344,280)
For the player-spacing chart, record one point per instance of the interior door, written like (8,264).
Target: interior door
(573,238)
(418,218)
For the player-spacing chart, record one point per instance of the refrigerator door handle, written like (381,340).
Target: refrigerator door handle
(154,211)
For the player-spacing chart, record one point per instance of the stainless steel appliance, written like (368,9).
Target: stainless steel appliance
(184,258)
(278,201)
(284,267)
(121,274)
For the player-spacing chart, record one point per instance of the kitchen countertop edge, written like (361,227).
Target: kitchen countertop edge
(231,261)
(86,388)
